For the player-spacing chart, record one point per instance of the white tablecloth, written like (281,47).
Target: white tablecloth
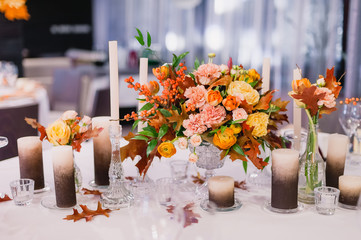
(251,221)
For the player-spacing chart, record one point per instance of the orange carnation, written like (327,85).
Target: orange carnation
(214,97)
(300,84)
(230,103)
(224,140)
(166,149)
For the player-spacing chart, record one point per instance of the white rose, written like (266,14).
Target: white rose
(193,158)
(69,115)
(182,143)
(196,140)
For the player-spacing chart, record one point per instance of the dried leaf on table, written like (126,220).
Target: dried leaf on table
(87,213)
(241,185)
(198,179)
(5,198)
(189,215)
(93,192)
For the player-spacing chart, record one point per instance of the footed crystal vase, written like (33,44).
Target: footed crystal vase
(117,195)
(208,158)
(312,167)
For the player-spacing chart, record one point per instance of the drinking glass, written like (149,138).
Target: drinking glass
(3,141)
(22,191)
(179,170)
(326,199)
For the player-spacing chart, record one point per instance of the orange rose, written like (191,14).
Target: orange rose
(224,140)
(300,84)
(153,87)
(166,149)
(214,97)
(230,103)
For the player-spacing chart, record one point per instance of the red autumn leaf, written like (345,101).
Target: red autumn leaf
(158,120)
(241,185)
(80,138)
(93,192)
(264,101)
(5,198)
(190,216)
(281,104)
(326,110)
(32,122)
(224,81)
(310,98)
(230,64)
(331,82)
(87,213)
(178,118)
(247,107)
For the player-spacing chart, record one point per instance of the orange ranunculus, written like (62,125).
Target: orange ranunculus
(230,103)
(161,72)
(153,87)
(253,75)
(224,140)
(214,97)
(300,84)
(236,128)
(166,149)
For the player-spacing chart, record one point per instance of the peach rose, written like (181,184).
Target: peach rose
(239,113)
(69,115)
(182,143)
(214,97)
(194,125)
(207,72)
(196,96)
(193,158)
(213,115)
(252,98)
(230,103)
(259,121)
(328,100)
(224,140)
(239,87)
(195,140)
(58,133)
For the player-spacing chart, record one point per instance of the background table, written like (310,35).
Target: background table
(251,221)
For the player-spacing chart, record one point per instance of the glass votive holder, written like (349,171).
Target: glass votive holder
(326,199)
(165,190)
(179,169)
(22,191)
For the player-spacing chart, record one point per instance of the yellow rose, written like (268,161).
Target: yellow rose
(166,149)
(58,133)
(224,140)
(252,97)
(236,128)
(237,87)
(259,121)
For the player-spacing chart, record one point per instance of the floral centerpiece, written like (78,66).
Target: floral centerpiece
(218,104)
(317,99)
(14,9)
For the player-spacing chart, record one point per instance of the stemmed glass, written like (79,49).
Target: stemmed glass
(356,120)
(3,141)
(345,121)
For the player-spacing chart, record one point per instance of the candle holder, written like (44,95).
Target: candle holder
(117,195)
(350,189)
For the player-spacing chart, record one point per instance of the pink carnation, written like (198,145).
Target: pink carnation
(207,72)
(213,115)
(239,113)
(328,100)
(69,115)
(194,125)
(196,96)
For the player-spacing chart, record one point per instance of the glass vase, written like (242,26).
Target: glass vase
(208,158)
(312,167)
(117,195)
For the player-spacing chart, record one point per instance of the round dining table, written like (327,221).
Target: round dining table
(251,221)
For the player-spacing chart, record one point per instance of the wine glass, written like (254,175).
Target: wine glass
(356,120)
(3,141)
(345,119)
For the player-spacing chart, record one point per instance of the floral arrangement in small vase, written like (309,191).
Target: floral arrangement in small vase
(69,129)
(317,99)
(218,104)
(14,9)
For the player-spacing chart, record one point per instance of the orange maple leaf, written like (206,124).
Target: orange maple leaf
(87,213)
(5,198)
(93,192)
(247,107)
(178,118)
(32,122)
(264,101)
(310,99)
(331,82)
(224,81)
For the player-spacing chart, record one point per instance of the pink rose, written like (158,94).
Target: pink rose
(328,100)
(182,142)
(194,125)
(196,140)
(69,115)
(213,115)
(207,72)
(196,96)
(239,113)
(193,158)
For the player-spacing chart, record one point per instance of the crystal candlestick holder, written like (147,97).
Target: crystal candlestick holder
(117,195)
